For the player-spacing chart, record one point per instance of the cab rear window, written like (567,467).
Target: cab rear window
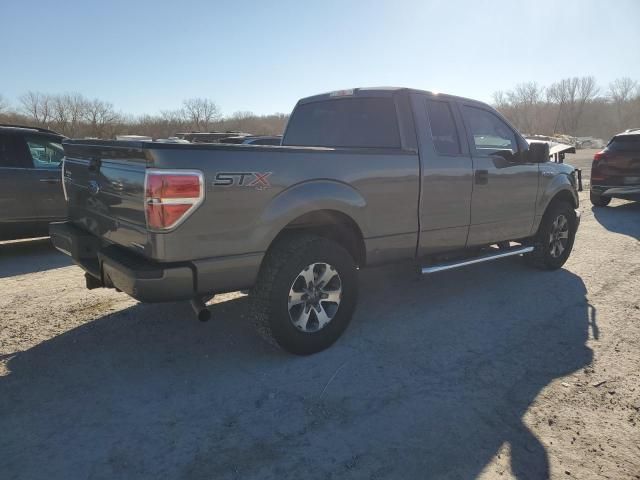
(625,143)
(345,122)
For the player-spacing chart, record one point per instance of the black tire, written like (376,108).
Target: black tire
(280,270)
(598,200)
(544,257)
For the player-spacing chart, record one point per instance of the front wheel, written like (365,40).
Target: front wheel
(306,293)
(554,241)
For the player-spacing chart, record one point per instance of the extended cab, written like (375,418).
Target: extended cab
(363,177)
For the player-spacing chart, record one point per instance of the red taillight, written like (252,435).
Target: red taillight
(170,196)
(599,156)
(596,175)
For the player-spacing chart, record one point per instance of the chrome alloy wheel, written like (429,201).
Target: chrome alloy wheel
(559,236)
(314,297)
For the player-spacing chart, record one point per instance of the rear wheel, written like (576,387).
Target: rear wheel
(306,293)
(598,200)
(554,241)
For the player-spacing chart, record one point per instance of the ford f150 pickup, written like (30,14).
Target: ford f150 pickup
(363,177)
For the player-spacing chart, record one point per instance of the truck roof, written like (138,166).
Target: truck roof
(379,92)
(21,128)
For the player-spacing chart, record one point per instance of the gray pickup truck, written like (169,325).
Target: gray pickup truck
(363,177)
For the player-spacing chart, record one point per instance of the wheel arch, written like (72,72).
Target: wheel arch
(331,224)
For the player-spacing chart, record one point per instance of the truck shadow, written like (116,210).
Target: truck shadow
(29,256)
(430,380)
(620,217)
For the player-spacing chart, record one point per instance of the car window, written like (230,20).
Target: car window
(489,132)
(443,128)
(625,143)
(346,122)
(45,153)
(12,152)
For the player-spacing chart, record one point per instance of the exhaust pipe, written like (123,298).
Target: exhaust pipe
(201,310)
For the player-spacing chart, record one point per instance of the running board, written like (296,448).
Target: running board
(470,261)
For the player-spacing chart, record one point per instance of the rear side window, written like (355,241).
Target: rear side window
(625,143)
(489,132)
(13,152)
(443,128)
(346,122)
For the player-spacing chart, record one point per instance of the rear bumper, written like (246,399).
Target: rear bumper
(630,192)
(150,281)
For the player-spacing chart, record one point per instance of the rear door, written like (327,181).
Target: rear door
(445,202)
(45,156)
(17,205)
(505,183)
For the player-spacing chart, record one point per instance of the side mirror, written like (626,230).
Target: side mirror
(538,152)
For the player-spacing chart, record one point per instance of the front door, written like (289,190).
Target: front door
(46,155)
(17,205)
(505,183)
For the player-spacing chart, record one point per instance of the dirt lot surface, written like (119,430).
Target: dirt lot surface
(496,371)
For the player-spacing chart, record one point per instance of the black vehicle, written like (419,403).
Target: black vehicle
(31,193)
(615,172)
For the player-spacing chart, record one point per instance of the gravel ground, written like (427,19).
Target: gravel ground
(496,371)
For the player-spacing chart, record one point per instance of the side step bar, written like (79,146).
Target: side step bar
(470,261)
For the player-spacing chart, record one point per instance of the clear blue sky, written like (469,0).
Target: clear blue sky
(146,56)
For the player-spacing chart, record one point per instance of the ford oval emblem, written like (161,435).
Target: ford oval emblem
(94,187)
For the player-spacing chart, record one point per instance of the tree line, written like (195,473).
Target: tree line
(75,115)
(575,106)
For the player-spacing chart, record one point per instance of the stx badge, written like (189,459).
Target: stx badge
(257,180)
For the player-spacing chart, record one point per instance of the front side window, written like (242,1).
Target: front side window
(345,122)
(489,132)
(443,128)
(45,153)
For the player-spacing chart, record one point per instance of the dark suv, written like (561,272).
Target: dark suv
(615,172)
(31,193)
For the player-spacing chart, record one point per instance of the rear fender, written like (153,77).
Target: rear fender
(307,197)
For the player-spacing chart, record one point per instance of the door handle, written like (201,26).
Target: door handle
(548,174)
(482,177)
(50,180)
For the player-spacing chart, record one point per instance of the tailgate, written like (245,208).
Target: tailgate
(104,184)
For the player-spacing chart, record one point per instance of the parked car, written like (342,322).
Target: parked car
(30,182)
(364,177)
(615,171)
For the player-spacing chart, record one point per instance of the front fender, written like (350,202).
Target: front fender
(558,184)
(307,197)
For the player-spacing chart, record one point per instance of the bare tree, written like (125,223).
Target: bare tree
(525,101)
(101,117)
(37,106)
(200,113)
(622,92)
(4,105)
(571,95)
(500,100)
